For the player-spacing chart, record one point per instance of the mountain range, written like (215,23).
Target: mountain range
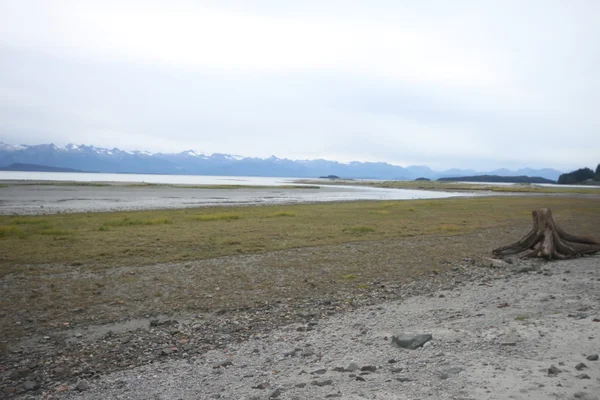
(97,159)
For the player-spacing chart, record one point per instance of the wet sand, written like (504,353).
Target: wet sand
(20,198)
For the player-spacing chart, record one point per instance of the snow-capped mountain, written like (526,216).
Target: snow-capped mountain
(98,159)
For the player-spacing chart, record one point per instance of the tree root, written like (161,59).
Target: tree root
(554,243)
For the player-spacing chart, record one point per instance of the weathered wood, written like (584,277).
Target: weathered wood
(552,242)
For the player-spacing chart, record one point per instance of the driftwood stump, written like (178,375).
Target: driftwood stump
(554,243)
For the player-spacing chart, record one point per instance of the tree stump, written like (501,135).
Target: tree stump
(554,243)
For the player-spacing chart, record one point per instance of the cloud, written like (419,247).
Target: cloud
(459,84)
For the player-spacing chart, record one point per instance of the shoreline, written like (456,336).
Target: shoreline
(43,198)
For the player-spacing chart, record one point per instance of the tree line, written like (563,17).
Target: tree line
(580,175)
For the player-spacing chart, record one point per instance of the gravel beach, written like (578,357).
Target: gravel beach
(514,331)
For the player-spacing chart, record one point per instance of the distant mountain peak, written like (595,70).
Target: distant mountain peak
(90,158)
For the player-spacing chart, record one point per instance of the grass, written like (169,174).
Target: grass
(105,240)
(359,230)
(284,214)
(217,217)
(129,221)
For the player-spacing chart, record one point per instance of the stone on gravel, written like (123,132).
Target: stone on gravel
(369,368)
(592,357)
(352,367)
(31,385)
(583,376)
(276,393)
(495,263)
(554,370)
(411,342)
(81,386)
(580,366)
(322,383)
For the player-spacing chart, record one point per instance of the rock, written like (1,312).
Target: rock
(494,263)
(352,367)
(262,385)
(319,371)
(31,385)
(369,368)
(524,268)
(82,385)
(578,316)
(582,376)
(396,370)
(454,370)
(360,379)
(403,379)
(580,366)
(322,383)
(276,393)
(554,370)
(300,385)
(412,342)
(592,357)
(166,351)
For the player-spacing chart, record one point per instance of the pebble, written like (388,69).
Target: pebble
(81,386)
(592,357)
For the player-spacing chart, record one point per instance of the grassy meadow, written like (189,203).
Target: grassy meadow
(105,240)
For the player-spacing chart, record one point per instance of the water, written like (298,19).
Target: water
(50,199)
(146,178)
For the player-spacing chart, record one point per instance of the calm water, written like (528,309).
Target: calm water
(134,178)
(25,199)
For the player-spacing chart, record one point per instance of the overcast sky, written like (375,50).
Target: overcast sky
(480,84)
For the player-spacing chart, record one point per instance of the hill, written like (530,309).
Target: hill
(501,179)
(36,168)
(580,176)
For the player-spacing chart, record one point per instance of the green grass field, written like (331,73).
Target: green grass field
(104,240)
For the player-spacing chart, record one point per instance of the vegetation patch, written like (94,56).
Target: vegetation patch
(55,232)
(218,217)
(449,228)
(359,230)
(380,212)
(11,231)
(128,221)
(28,221)
(284,214)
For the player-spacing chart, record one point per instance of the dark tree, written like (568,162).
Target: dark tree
(580,175)
(597,177)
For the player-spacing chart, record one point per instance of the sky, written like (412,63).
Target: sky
(450,84)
